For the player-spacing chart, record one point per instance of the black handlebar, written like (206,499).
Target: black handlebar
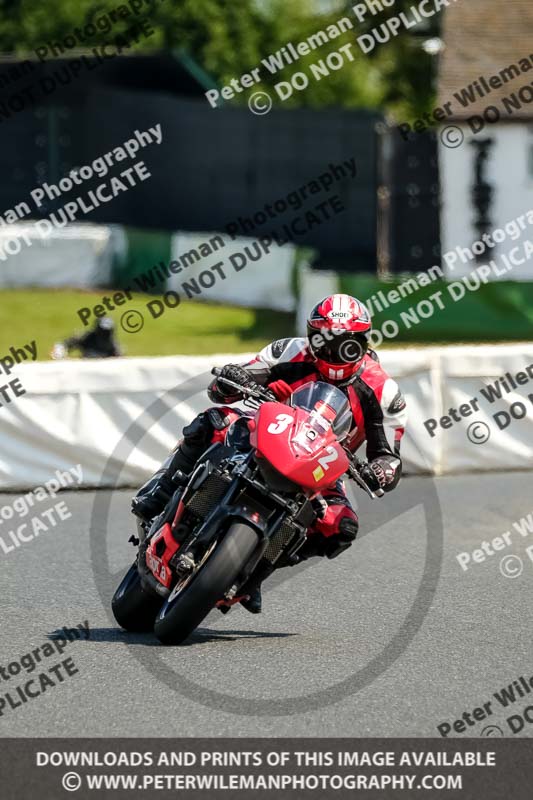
(255,391)
(361,473)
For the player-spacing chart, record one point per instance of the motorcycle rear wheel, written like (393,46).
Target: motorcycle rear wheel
(186,607)
(134,609)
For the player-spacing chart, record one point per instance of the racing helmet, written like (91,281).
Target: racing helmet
(337,332)
(105,324)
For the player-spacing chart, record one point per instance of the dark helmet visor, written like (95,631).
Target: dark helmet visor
(344,347)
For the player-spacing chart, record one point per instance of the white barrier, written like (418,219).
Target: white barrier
(246,275)
(212,267)
(77,255)
(82,412)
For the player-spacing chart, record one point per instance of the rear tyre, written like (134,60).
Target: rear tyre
(134,609)
(185,608)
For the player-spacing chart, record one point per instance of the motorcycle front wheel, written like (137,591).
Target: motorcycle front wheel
(134,609)
(193,598)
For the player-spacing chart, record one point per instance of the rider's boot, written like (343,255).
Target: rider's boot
(252,588)
(316,545)
(254,602)
(151,498)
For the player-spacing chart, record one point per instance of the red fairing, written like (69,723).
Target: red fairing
(293,444)
(159,565)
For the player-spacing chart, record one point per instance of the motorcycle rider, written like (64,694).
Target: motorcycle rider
(335,351)
(99,342)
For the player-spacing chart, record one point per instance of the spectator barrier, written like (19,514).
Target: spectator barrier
(77,412)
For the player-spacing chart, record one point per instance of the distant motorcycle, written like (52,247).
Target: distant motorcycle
(247,504)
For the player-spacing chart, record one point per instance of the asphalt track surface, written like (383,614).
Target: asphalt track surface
(340,649)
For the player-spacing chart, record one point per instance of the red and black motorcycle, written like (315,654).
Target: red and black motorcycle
(247,505)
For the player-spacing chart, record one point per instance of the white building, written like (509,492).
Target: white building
(486,140)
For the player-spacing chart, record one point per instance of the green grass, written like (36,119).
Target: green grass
(193,328)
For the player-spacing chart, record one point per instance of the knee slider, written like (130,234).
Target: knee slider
(199,431)
(348,528)
(343,540)
(217,418)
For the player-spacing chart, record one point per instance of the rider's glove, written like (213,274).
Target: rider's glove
(281,390)
(369,477)
(383,470)
(236,374)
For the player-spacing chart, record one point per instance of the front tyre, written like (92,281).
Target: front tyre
(186,607)
(134,609)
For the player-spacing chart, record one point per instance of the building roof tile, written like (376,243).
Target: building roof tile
(483,38)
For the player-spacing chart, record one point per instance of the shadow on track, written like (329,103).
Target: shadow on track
(207,635)
(200,636)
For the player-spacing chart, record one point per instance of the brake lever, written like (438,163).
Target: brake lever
(353,471)
(260,394)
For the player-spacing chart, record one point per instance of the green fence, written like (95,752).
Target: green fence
(497,311)
(138,270)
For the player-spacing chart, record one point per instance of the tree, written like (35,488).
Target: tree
(228,39)
(408,71)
